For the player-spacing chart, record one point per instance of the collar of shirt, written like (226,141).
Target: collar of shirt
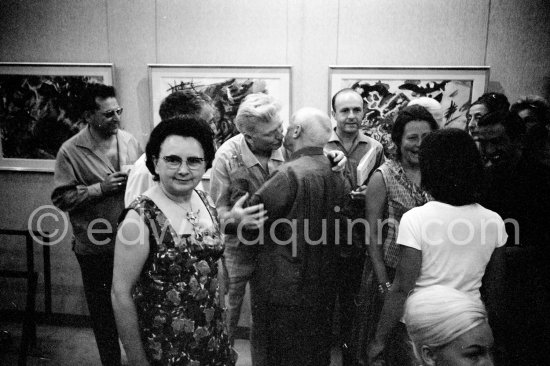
(85,140)
(249,159)
(361,137)
(308,150)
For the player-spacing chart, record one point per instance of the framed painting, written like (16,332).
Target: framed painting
(227,85)
(40,109)
(387,89)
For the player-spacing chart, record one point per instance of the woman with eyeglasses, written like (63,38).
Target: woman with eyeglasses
(165,288)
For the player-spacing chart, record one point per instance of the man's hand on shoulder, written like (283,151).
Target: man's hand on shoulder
(251,217)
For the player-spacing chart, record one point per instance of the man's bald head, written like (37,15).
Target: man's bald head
(308,127)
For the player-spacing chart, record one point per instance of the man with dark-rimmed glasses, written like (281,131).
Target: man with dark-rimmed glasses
(89,185)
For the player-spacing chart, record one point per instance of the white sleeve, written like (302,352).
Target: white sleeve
(408,233)
(502,236)
(139,181)
(220,183)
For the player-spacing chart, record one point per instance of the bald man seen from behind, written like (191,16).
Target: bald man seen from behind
(303,200)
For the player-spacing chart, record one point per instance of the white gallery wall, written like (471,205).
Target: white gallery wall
(510,36)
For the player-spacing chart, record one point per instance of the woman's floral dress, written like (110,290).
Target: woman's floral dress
(176,296)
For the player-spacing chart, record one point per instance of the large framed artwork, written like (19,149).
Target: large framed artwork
(40,109)
(387,89)
(227,85)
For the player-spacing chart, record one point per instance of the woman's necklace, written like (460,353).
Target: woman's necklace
(191,216)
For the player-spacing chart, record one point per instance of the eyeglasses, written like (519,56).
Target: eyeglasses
(174,162)
(111,113)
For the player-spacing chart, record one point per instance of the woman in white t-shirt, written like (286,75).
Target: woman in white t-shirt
(452,241)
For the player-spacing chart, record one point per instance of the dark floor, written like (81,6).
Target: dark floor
(71,346)
(57,345)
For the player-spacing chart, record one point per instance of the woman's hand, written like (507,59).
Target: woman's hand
(408,270)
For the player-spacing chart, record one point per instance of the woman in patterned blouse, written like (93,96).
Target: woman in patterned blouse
(165,286)
(393,189)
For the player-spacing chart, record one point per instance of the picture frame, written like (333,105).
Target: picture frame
(40,109)
(227,85)
(387,89)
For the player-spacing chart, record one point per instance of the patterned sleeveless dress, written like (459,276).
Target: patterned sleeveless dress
(402,195)
(176,296)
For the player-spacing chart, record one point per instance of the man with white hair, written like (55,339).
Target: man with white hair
(303,200)
(242,164)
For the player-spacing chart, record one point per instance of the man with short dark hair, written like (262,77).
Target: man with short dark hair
(89,185)
(347,137)
(519,191)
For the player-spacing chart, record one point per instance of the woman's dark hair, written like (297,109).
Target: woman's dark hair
(451,167)
(493,102)
(406,115)
(184,127)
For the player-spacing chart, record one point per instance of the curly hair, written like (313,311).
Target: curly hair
(451,167)
(406,115)
(179,126)
(186,103)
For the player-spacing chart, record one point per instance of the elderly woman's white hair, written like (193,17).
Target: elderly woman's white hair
(256,108)
(433,106)
(437,315)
